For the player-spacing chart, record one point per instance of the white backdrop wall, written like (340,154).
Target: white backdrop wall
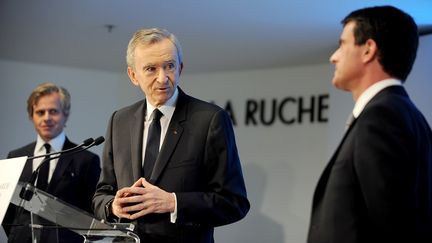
(281,162)
(94,95)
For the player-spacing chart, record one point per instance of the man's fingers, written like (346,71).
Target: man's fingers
(145,183)
(125,201)
(138,183)
(129,191)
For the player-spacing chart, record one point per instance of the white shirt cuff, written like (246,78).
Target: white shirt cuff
(174,214)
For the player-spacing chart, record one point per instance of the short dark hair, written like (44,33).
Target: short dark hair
(395,34)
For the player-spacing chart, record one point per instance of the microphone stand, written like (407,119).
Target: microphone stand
(27,192)
(86,142)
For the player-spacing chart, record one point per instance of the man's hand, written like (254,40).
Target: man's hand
(140,199)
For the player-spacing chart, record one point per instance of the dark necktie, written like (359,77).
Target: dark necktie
(153,141)
(42,181)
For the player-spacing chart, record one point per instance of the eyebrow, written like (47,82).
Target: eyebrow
(171,60)
(164,62)
(46,109)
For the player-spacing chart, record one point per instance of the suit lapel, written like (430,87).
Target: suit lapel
(62,165)
(28,167)
(136,131)
(326,173)
(175,131)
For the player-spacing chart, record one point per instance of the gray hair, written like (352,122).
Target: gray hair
(147,37)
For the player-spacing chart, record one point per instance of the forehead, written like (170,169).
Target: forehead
(51,100)
(160,51)
(348,30)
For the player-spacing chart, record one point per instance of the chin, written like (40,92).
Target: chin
(335,83)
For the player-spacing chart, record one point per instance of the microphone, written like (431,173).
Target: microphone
(99,140)
(26,192)
(86,142)
(77,149)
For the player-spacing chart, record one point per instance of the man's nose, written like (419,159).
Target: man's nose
(332,58)
(162,76)
(47,116)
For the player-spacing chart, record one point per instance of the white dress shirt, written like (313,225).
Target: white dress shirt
(56,146)
(167,110)
(370,92)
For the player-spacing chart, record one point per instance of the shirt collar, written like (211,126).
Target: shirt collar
(370,92)
(167,109)
(56,143)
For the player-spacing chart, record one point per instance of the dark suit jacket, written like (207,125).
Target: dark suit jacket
(74,181)
(198,161)
(377,186)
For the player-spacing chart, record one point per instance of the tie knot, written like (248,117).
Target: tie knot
(157,114)
(47,147)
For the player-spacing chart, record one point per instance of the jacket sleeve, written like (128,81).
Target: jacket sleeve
(107,186)
(224,199)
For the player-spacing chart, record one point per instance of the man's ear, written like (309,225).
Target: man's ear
(131,74)
(370,50)
(181,68)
